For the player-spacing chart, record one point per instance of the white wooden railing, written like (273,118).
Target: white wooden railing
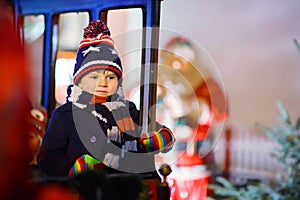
(249,156)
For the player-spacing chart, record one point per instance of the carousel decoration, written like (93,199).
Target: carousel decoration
(195,102)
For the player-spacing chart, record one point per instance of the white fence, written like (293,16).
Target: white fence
(249,157)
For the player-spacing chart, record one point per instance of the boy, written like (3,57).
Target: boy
(97,128)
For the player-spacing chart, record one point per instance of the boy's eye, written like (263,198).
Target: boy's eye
(94,77)
(111,77)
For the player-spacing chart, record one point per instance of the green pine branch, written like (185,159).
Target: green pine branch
(287,136)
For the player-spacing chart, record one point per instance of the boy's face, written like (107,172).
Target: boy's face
(101,83)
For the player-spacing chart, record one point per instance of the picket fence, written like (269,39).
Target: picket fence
(249,156)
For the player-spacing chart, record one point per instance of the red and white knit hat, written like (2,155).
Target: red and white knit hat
(96,51)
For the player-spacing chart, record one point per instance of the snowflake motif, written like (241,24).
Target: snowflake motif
(113,51)
(91,48)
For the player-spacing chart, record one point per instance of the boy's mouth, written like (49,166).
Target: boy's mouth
(101,91)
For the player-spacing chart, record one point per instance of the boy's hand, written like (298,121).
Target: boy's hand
(90,160)
(85,162)
(158,140)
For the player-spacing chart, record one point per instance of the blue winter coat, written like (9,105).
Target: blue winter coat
(73,132)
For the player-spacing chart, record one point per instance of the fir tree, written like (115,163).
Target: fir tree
(287,136)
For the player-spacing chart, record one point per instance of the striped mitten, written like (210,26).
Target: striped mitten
(158,140)
(85,162)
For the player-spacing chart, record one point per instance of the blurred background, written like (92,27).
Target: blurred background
(251,43)
(252,46)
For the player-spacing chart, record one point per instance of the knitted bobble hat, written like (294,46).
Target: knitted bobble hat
(96,51)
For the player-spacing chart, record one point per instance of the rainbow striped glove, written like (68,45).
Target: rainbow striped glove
(162,140)
(85,162)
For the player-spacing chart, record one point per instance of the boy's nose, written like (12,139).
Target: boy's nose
(102,82)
